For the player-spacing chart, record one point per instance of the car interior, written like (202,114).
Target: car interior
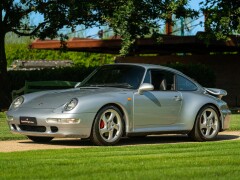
(162,81)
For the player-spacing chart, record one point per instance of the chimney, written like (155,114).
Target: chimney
(168,25)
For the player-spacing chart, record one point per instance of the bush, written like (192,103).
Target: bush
(199,72)
(77,73)
(22,52)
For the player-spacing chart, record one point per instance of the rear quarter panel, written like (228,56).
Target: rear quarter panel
(192,103)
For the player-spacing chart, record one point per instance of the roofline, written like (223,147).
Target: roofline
(151,66)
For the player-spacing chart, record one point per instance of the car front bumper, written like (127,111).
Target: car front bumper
(44,129)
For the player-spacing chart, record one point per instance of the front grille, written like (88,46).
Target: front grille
(32,128)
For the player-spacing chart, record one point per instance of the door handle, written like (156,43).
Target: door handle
(177,98)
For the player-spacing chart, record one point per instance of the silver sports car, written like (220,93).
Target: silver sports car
(122,100)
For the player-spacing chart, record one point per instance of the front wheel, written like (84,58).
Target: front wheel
(108,126)
(207,124)
(40,139)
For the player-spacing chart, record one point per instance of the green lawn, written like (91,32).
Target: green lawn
(205,160)
(235,122)
(6,135)
(211,160)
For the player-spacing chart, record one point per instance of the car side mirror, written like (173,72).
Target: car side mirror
(145,87)
(78,84)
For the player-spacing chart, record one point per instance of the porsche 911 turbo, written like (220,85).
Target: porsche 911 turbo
(122,100)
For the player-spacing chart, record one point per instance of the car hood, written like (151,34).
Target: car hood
(57,98)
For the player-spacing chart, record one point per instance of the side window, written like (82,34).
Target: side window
(162,80)
(184,84)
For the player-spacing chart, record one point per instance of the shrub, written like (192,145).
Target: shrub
(77,73)
(200,73)
(22,52)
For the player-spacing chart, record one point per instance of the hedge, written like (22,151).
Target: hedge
(22,52)
(76,73)
(201,73)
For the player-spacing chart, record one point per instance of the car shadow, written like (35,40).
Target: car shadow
(128,141)
(222,137)
(166,139)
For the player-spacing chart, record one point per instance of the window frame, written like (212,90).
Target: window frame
(161,70)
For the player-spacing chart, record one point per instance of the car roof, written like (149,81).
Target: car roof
(151,66)
(154,66)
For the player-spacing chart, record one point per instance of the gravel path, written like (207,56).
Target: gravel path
(26,145)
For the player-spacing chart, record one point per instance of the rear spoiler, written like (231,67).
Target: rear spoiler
(216,92)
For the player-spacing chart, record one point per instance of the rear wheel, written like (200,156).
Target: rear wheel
(40,139)
(207,124)
(108,126)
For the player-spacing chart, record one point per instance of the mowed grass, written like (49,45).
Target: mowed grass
(5,133)
(211,160)
(190,160)
(235,122)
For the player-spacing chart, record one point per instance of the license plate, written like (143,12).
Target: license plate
(28,120)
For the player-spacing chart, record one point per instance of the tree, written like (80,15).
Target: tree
(222,18)
(132,19)
(128,18)
(56,14)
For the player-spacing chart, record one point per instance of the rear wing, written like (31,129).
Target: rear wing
(216,92)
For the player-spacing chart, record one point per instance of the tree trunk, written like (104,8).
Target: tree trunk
(4,83)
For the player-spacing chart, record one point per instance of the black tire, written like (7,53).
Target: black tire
(207,124)
(108,127)
(40,139)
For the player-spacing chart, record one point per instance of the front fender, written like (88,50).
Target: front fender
(92,104)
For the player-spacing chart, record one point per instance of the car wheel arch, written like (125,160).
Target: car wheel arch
(195,131)
(122,110)
(215,106)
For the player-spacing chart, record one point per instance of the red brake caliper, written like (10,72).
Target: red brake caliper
(101,124)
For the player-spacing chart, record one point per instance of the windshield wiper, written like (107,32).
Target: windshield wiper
(93,85)
(121,85)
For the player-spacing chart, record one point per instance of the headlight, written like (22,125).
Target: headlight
(17,102)
(71,105)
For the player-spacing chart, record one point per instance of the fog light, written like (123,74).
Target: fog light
(63,121)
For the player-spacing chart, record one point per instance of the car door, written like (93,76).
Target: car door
(161,106)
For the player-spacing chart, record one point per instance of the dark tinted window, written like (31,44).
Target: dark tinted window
(160,79)
(184,84)
(125,76)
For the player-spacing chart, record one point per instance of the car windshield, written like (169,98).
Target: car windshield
(122,76)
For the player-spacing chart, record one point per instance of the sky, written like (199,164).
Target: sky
(195,3)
